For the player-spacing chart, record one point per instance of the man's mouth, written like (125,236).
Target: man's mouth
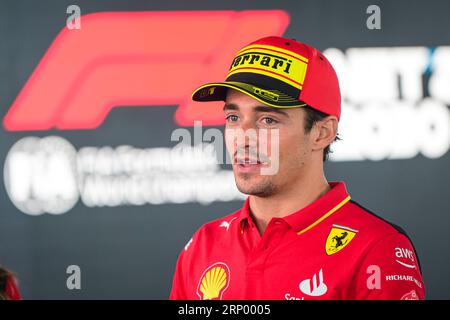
(247,161)
(248,164)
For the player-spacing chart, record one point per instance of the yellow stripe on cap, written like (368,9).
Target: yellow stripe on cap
(275,49)
(279,65)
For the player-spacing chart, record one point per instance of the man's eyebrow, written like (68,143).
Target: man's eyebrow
(271,109)
(232,106)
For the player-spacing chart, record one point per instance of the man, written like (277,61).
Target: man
(297,236)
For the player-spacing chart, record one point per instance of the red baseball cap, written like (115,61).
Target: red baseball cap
(281,73)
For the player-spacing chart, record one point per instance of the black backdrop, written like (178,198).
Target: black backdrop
(130,251)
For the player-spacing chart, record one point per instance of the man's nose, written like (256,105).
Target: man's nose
(247,135)
(248,124)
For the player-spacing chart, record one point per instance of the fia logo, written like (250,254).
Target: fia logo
(312,287)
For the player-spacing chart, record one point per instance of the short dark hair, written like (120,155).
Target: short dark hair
(313,116)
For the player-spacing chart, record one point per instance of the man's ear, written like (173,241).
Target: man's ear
(325,132)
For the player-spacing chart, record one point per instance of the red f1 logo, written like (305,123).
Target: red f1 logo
(120,59)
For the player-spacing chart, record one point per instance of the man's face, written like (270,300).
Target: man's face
(280,145)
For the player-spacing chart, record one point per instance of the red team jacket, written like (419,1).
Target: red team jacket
(331,249)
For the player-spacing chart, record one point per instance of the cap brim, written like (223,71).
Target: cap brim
(217,91)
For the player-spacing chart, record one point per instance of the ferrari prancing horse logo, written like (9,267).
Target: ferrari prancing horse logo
(338,238)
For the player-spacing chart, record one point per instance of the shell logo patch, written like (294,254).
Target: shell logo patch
(214,282)
(338,238)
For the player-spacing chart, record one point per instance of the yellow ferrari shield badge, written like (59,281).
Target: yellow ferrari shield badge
(339,238)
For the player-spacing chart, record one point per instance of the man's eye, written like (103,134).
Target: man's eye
(269,120)
(232,118)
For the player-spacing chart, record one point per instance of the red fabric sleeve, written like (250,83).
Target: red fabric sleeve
(178,291)
(12,290)
(389,271)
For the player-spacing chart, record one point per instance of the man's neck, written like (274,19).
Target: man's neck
(282,204)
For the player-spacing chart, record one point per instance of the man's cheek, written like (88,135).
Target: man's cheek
(271,149)
(230,143)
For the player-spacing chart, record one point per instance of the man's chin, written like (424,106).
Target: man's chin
(254,187)
(244,178)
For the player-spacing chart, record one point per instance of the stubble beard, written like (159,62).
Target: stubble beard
(261,187)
